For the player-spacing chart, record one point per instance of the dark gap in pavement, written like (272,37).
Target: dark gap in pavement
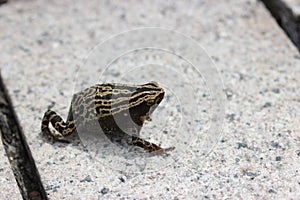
(3,1)
(17,150)
(286,19)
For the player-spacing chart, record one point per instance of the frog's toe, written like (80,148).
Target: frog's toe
(56,135)
(162,151)
(169,149)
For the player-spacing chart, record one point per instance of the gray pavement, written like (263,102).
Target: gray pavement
(258,156)
(9,186)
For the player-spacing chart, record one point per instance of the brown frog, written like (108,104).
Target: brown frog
(131,105)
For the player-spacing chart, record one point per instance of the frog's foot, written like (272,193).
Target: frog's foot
(62,128)
(162,151)
(57,137)
(53,136)
(151,147)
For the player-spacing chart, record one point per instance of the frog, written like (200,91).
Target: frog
(103,103)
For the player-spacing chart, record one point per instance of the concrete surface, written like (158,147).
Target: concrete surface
(8,183)
(258,156)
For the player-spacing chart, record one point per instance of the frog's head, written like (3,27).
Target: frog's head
(144,101)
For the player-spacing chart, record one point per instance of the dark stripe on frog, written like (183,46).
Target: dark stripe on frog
(102,111)
(126,87)
(56,119)
(125,100)
(123,105)
(124,90)
(155,85)
(120,101)
(113,95)
(146,89)
(141,95)
(109,87)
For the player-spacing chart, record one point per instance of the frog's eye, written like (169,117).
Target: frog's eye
(150,102)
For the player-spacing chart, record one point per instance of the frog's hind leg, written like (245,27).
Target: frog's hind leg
(63,128)
(151,147)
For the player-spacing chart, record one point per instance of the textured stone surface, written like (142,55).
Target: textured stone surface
(9,187)
(258,155)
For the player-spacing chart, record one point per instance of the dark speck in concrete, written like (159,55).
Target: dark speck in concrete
(298,153)
(104,190)
(52,187)
(86,179)
(272,191)
(278,158)
(252,175)
(122,16)
(242,145)
(216,59)
(40,42)
(277,145)
(204,95)
(279,135)
(26,50)
(51,105)
(267,105)
(276,90)
(228,93)
(122,179)
(241,76)
(16,91)
(230,117)
(223,140)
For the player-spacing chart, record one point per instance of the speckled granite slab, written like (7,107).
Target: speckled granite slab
(258,156)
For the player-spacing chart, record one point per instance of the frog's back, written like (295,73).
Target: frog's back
(101,100)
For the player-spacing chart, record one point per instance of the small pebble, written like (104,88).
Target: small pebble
(276,90)
(104,190)
(267,105)
(272,191)
(242,145)
(278,158)
(122,179)
(87,179)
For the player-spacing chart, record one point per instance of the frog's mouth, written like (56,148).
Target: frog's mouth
(158,99)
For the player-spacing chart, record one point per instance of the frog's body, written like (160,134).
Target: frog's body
(120,110)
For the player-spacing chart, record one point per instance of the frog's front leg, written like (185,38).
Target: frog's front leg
(151,147)
(63,128)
